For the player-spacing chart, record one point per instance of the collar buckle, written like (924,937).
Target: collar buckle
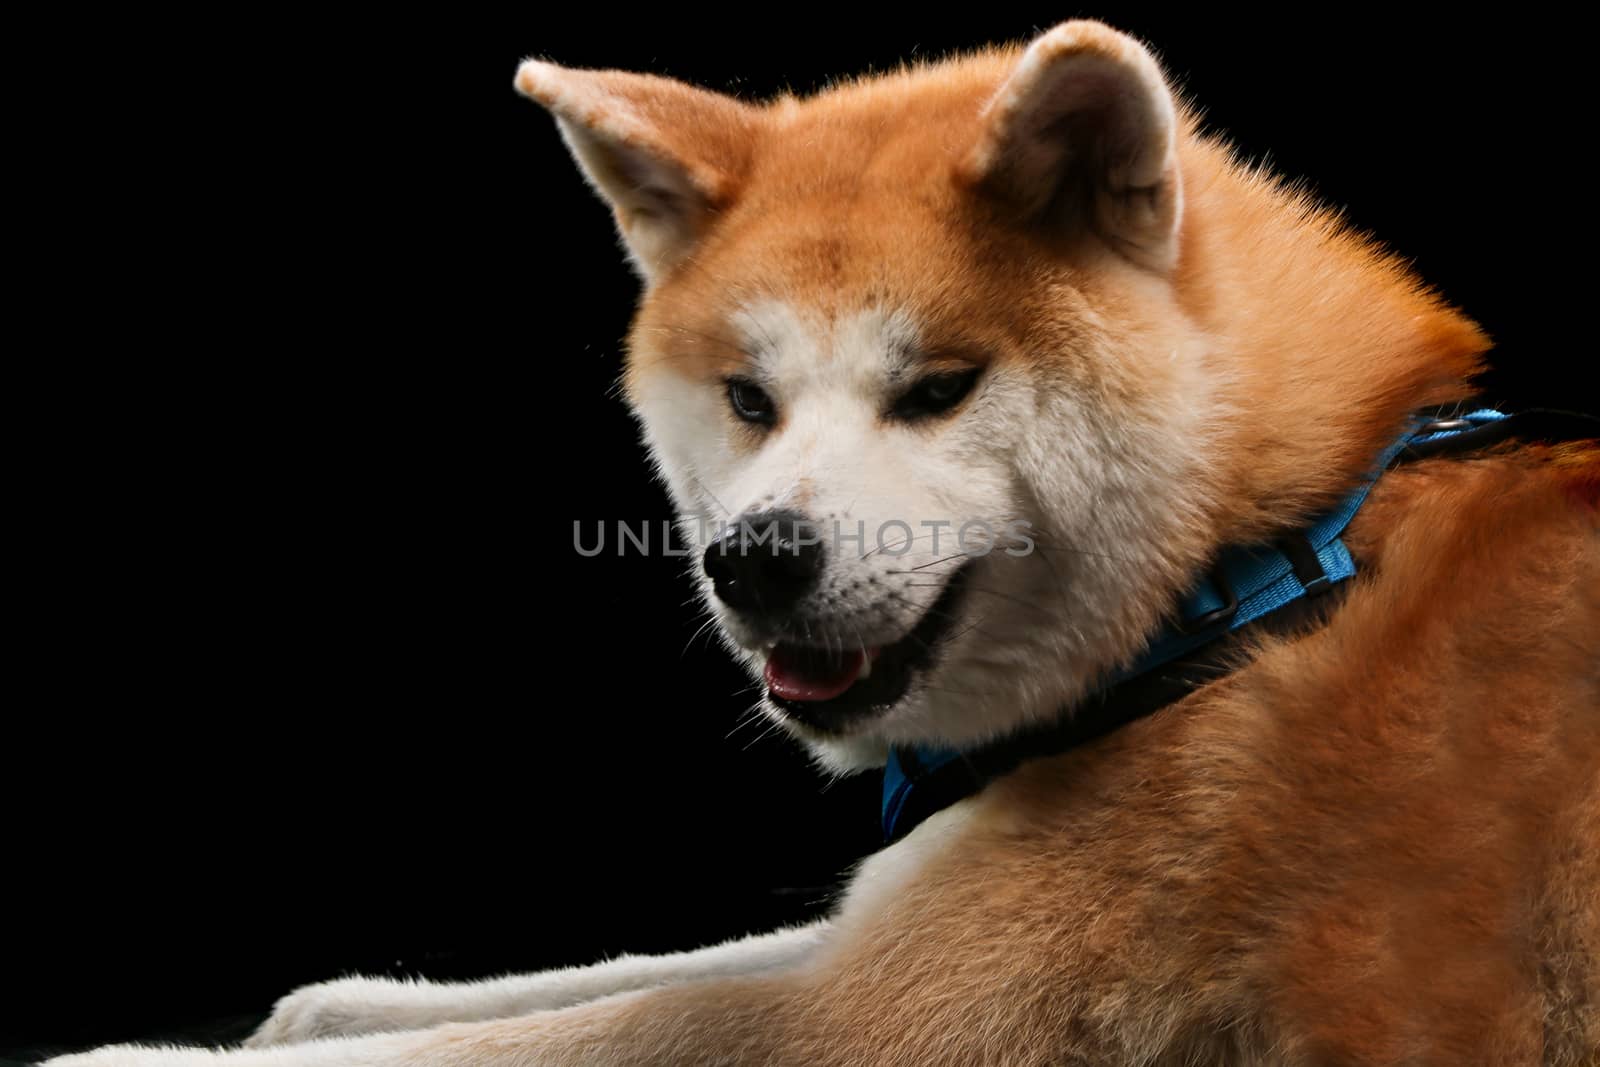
(1218,616)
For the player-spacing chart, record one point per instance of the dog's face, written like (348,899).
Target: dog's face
(911,503)
(911,362)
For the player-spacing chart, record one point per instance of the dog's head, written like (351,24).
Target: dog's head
(958,375)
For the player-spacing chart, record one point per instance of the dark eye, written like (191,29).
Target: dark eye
(751,402)
(935,394)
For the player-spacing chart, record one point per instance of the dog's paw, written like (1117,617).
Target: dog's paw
(348,1006)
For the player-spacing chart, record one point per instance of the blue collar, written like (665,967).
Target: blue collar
(1248,584)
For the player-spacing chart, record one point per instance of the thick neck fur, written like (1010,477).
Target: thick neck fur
(1324,342)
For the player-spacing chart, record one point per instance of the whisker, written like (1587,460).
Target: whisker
(703,628)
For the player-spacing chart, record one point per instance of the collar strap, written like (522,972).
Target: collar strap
(1275,587)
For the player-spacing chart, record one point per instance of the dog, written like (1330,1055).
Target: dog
(997,399)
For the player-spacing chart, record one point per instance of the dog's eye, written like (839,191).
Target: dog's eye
(750,402)
(935,394)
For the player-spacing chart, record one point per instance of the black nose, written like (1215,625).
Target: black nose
(764,562)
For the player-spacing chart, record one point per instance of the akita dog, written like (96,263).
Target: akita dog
(1231,712)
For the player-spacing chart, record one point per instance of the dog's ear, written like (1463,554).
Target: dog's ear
(665,155)
(1084,133)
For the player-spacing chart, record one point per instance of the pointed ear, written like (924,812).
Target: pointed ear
(665,155)
(1084,134)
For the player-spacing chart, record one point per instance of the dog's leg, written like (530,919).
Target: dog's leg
(558,1037)
(778,1020)
(716,1020)
(379,1050)
(370,1005)
(863,989)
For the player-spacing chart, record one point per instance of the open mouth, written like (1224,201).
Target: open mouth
(831,688)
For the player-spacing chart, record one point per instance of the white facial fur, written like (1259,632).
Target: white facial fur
(1077,494)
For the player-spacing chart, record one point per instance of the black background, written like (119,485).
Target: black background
(340,696)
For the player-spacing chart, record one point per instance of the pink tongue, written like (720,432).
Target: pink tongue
(795,675)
